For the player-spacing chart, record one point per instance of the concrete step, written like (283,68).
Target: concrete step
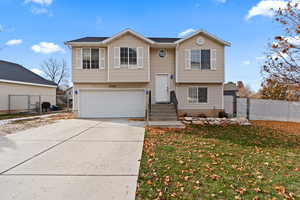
(152,118)
(163,114)
(162,106)
(163,111)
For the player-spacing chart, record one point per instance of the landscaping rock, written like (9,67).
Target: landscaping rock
(216,121)
(186,122)
(188,118)
(198,122)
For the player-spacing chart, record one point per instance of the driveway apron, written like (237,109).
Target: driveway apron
(72,159)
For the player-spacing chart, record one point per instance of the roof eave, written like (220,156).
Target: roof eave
(27,83)
(82,43)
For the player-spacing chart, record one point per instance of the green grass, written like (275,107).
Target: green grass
(16,115)
(214,162)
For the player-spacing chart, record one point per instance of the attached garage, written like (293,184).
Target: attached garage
(104,103)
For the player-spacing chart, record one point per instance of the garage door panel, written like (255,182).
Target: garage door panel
(102,103)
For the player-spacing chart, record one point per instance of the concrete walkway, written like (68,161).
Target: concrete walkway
(72,159)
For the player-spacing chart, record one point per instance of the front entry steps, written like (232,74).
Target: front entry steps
(163,112)
(164,116)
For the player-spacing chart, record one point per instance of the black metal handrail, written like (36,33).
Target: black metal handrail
(149,101)
(173,100)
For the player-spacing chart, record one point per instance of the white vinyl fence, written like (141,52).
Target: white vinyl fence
(261,109)
(229,104)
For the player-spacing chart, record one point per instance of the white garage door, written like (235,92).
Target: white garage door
(112,103)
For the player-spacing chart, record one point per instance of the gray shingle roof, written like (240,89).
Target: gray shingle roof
(100,39)
(15,72)
(89,39)
(164,39)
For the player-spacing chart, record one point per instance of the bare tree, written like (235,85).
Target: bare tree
(283,58)
(55,70)
(244,91)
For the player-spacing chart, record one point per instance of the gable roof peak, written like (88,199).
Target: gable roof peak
(125,31)
(205,33)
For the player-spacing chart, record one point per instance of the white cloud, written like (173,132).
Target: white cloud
(38,11)
(246,62)
(221,1)
(99,20)
(37,71)
(260,58)
(41,2)
(266,8)
(47,48)
(186,32)
(13,42)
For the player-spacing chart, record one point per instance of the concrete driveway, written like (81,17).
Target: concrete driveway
(72,159)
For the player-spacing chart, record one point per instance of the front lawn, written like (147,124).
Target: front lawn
(219,162)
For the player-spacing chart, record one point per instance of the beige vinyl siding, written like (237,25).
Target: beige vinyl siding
(88,75)
(200,76)
(78,86)
(133,73)
(162,65)
(47,94)
(214,95)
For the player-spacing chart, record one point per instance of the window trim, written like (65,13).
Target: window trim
(200,49)
(95,69)
(197,103)
(128,65)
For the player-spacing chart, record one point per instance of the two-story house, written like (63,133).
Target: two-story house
(119,76)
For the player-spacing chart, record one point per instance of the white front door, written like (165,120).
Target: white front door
(162,88)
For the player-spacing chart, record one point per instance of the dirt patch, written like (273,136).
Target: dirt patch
(289,127)
(137,119)
(24,124)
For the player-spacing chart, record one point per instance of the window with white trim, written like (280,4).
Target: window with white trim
(200,59)
(197,95)
(95,58)
(90,58)
(128,56)
(86,58)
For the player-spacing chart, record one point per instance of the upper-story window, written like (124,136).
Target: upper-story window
(128,56)
(90,58)
(200,59)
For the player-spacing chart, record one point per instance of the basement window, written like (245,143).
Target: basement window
(197,95)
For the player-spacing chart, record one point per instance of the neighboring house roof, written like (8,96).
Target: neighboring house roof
(15,73)
(230,87)
(151,40)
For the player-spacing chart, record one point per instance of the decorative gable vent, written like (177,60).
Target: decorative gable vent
(200,41)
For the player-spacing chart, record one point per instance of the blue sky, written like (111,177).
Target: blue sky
(34,30)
